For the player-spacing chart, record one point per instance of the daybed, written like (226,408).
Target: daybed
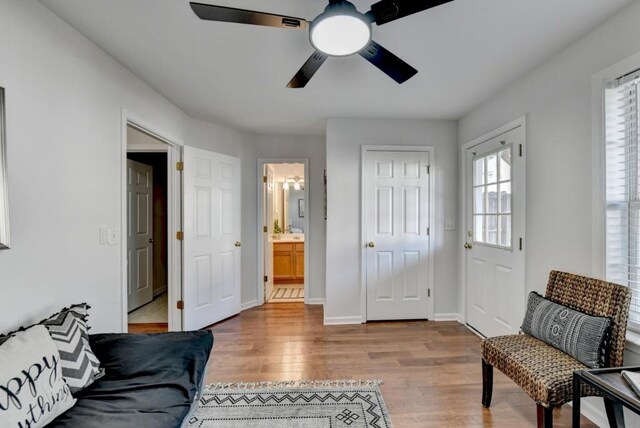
(150,380)
(55,374)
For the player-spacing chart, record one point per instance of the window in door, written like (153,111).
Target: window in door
(492,198)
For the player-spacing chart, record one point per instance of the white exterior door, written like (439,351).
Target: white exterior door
(139,233)
(396,215)
(211,214)
(495,205)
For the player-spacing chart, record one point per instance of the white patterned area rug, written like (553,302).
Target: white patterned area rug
(299,404)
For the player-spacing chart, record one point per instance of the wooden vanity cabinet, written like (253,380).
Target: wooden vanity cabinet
(288,262)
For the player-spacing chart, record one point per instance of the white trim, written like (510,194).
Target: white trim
(433,231)
(594,413)
(159,291)
(448,317)
(316,301)
(462,221)
(632,343)
(248,305)
(174,221)
(343,320)
(598,82)
(148,148)
(260,222)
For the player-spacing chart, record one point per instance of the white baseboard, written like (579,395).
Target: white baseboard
(315,301)
(159,291)
(594,412)
(447,317)
(342,320)
(248,305)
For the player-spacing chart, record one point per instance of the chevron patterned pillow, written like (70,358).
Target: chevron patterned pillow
(68,329)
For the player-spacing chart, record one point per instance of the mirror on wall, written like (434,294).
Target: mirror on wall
(4,196)
(288,207)
(294,212)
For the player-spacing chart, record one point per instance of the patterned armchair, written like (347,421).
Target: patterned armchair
(544,372)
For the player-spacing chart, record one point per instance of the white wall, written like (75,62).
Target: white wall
(344,140)
(287,147)
(556,97)
(64,107)
(64,99)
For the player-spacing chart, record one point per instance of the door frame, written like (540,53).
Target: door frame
(432,235)
(174,220)
(260,220)
(462,220)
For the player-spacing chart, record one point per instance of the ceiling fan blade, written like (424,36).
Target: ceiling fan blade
(211,12)
(390,64)
(389,10)
(307,71)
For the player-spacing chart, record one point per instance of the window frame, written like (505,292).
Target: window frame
(498,214)
(600,83)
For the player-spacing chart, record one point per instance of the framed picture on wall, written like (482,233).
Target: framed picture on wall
(300,208)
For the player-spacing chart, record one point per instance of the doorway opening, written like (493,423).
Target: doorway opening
(147,232)
(285,232)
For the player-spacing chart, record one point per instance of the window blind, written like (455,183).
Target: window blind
(622,188)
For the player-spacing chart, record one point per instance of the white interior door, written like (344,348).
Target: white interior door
(268,222)
(139,233)
(396,215)
(211,189)
(495,205)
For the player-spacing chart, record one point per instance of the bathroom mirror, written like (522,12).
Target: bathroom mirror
(4,196)
(295,210)
(289,209)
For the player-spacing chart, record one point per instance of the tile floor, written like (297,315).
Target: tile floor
(155,312)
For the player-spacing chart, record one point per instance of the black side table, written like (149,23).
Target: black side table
(614,389)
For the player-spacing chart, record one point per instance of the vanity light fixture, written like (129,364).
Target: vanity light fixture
(285,185)
(296,183)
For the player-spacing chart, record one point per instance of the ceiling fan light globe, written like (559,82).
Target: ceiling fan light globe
(340,35)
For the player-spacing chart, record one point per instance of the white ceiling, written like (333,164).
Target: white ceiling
(236,74)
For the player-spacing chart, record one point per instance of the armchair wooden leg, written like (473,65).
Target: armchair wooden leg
(487,383)
(545,416)
(614,413)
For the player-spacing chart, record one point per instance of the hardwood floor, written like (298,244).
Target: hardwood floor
(149,327)
(431,371)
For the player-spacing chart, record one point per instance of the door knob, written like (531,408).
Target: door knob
(238,244)
(468,246)
(371,244)
(151,240)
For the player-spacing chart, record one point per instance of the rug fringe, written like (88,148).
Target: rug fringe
(341,383)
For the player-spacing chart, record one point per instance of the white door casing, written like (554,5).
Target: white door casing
(396,204)
(212,226)
(494,232)
(139,233)
(268,221)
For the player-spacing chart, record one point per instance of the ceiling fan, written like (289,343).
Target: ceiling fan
(341,30)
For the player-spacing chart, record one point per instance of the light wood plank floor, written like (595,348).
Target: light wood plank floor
(431,371)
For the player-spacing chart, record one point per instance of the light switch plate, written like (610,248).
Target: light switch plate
(112,236)
(103,236)
(450,224)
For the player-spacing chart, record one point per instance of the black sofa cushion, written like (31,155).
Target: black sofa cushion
(151,380)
